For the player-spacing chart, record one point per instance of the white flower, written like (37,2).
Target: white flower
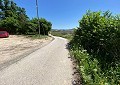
(84,50)
(95,70)
(106,84)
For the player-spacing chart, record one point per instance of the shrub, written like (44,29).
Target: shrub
(10,24)
(99,34)
(91,72)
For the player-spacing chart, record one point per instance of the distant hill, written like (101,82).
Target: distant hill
(65,33)
(63,30)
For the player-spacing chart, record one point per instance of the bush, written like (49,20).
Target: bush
(99,34)
(10,24)
(91,71)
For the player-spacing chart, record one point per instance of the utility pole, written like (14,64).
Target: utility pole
(38,16)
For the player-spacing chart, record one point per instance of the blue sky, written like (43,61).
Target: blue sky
(65,14)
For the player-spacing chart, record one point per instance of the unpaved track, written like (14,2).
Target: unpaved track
(49,65)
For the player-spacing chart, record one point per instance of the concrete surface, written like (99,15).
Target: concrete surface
(49,65)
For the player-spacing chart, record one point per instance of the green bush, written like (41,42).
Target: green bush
(99,34)
(96,47)
(91,71)
(11,24)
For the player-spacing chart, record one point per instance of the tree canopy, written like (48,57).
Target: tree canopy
(15,20)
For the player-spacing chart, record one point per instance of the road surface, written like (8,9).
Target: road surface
(49,65)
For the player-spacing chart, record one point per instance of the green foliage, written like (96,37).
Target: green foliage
(11,24)
(45,26)
(68,34)
(15,20)
(91,71)
(99,34)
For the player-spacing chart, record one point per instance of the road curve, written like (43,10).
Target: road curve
(49,65)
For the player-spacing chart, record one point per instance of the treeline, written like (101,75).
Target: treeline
(96,48)
(14,19)
(68,33)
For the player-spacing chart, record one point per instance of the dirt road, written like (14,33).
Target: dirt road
(49,65)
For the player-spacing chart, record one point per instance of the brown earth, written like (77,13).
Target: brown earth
(17,45)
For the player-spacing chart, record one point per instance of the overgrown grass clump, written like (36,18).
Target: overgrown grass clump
(96,48)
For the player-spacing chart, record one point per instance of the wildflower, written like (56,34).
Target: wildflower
(88,54)
(95,70)
(101,39)
(84,50)
(106,84)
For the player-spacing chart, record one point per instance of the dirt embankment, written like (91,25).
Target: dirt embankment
(16,45)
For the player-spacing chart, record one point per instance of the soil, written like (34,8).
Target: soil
(18,45)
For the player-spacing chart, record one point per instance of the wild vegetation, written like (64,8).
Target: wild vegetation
(95,43)
(68,33)
(14,19)
(96,48)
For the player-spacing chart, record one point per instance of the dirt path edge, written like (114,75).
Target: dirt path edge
(20,57)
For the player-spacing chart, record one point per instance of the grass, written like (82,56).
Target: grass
(68,34)
(36,36)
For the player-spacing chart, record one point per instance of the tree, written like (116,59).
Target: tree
(45,26)
(10,11)
(10,24)
(15,20)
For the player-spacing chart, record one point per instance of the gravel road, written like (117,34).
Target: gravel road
(49,65)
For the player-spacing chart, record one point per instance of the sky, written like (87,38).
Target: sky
(65,14)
